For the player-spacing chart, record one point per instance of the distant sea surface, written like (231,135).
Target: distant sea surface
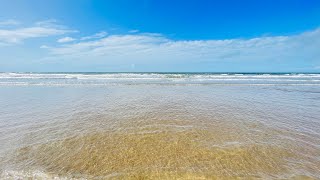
(159,125)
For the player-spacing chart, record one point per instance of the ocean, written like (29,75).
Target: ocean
(159,125)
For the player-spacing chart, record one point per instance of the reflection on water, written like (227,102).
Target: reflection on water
(159,132)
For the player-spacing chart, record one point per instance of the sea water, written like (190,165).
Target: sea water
(159,125)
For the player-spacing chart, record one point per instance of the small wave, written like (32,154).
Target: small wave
(146,75)
(57,79)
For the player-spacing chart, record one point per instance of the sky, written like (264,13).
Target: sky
(160,36)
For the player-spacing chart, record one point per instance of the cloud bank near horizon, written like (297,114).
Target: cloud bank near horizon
(151,50)
(158,49)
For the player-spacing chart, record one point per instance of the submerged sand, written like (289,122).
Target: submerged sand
(159,132)
(162,150)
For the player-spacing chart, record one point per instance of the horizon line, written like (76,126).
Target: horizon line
(168,72)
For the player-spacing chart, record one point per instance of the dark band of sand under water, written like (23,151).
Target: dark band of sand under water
(160,132)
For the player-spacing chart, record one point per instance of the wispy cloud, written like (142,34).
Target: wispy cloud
(111,44)
(134,31)
(95,36)
(9,22)
(44,47)
(142,48)
(17,35)
(65,40)
(52,23)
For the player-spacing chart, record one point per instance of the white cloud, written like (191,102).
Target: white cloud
(17,35)
(95,36)
(142,48)
(44,47)
(111,44)
(52,23)
(65,39)
(9,22)
(134,31)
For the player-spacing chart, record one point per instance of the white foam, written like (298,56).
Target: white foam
(37,174)
(144,76)
(107,78)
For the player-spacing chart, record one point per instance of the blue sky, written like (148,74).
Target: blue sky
(146,35)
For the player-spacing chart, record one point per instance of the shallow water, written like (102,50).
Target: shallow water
(159,126)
